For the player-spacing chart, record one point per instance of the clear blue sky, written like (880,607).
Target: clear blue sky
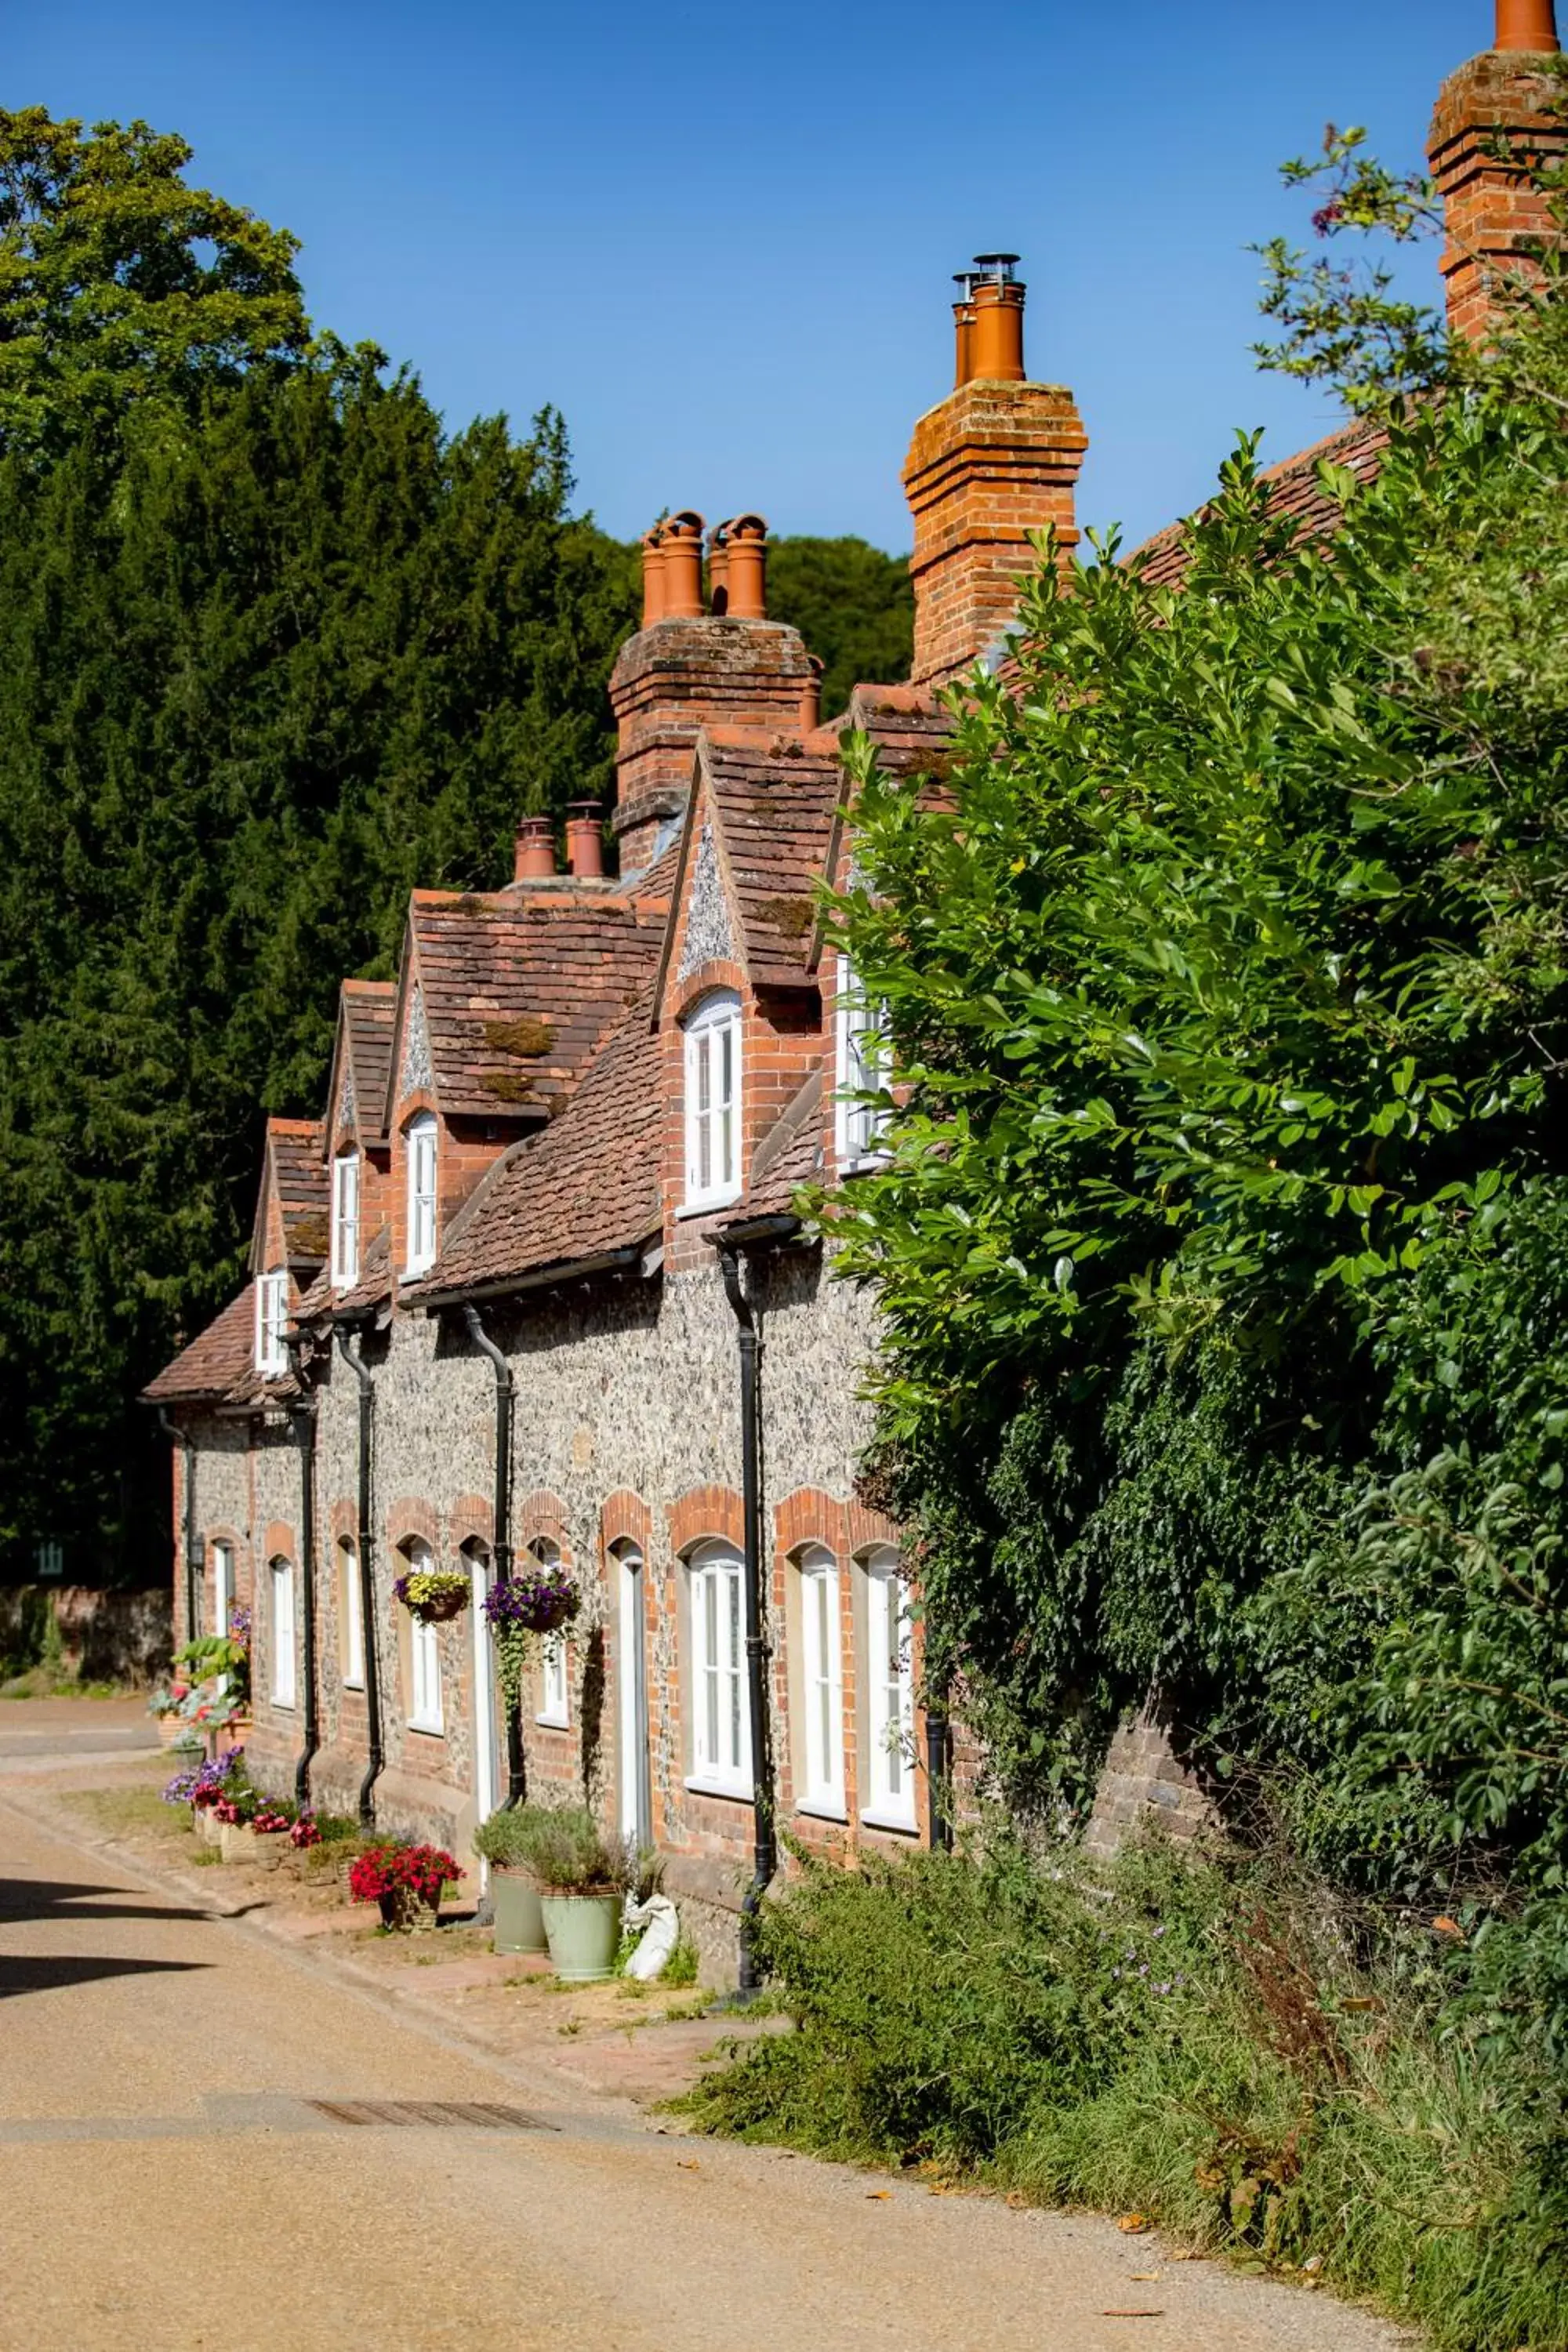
(718,236)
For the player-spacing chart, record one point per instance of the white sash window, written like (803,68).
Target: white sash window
(713,1101)
(345,1220)
(420,1140)
(721,1724)
(822,1678)
(863,1065)
(271,1314)
(282,1581)
(890,1777)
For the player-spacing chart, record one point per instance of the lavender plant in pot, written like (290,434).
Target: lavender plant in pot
(582,1880)
(505,1842)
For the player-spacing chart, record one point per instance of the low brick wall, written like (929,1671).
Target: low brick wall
(108,1637)
(1143,1776)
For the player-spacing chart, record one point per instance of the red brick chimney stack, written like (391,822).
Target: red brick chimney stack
(1492,211)
(686,668)
(996,459)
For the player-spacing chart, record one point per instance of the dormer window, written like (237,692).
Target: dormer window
(271,1313)
(419,1136)
(345,1220)
(863,1060)
(713,1101)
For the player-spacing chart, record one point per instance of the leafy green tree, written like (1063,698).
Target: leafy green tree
(854,607)
(274,648)
(118,283)
(1221,1233)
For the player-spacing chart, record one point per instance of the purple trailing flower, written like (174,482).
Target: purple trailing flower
(539,1598)
(239,1626)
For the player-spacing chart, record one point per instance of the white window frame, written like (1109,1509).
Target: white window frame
(555,1681)
(821,1684)
(345,1220)
(712,1050)
(222,1584)
(864,1057)
(890,1695)
(353,1618)
(271,1315)
(424,1710)
(280,1582)
(419,1142)
(720,1708)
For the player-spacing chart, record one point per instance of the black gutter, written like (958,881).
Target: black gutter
(304,1416)
(566,1269)
(500,1549)
(367,1589)
(764,1852)
(188,1452)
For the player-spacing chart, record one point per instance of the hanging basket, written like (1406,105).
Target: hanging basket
(433,1595)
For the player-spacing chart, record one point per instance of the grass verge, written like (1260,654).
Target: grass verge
(1209,2041)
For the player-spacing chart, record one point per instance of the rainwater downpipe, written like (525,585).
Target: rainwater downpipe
(765,1851)
(367,1588)
(516,1767)
(304,1416)
(182,1438)
(938,1774)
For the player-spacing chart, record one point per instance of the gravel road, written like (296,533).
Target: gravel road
(165,2181)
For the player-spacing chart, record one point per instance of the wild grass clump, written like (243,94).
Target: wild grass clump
(1211,2041)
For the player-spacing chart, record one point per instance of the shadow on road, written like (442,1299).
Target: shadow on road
(51,1898)
(50,1972)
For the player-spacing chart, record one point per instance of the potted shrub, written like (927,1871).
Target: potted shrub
(405,1880)
(583,1881)
(433,1593)
(505,1842)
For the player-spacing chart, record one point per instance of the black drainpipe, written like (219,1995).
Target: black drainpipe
(304,1416)
(367,1588)
(516,1765)
(764,1852)
(188,1457)
(937,1774)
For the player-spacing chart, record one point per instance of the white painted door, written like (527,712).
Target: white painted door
(636,1811)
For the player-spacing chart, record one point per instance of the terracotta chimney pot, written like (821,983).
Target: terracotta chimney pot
(681,546)
(1527,25)
(535,854)
(996,337)
(584,841)
(652,576)
(719,570)
(963,329)
(811,698)
(748,549)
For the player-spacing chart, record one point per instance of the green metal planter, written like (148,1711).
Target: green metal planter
(519,1920)
(585,1934)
